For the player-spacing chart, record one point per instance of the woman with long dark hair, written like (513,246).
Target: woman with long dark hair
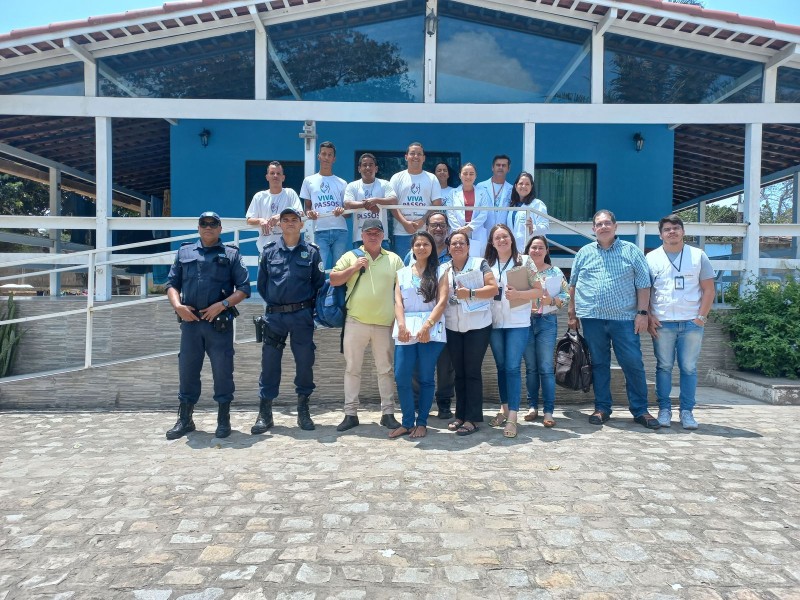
(509,323)
(543,331)
(442,173)
(420,297)
(524,223)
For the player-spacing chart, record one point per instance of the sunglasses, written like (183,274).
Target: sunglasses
(208,224)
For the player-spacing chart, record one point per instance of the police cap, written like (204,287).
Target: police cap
(210,215)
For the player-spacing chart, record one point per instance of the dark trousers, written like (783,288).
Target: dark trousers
(467,351)
(299,327)
(198,338)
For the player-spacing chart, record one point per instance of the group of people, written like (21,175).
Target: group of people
(430,317)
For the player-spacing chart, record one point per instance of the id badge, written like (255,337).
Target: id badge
(679,282)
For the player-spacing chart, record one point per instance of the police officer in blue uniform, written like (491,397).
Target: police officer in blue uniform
(289,276)
(205,282)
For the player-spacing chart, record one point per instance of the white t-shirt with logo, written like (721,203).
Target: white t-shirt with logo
(414,191)
(265,204)
(325,192)
(358,191)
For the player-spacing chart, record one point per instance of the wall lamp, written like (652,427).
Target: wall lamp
(638,141)
(204,136)
(431,23)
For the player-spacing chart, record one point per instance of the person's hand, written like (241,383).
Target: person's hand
(338,211)
(652,326)
(699,323)
(403,334)
(312,214)
(362,263)
(511,293)
(410,227)
(186,313)
(462,293)
(211,313)
(573,322)
(424,334)
(640,324)
(371,205)
(529,225)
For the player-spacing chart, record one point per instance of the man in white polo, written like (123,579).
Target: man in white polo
(680,299)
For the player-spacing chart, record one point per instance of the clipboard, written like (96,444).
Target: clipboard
(518,279)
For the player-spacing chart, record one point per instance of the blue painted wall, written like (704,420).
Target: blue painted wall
(636,186)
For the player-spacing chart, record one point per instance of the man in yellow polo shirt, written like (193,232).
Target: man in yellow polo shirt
(370,315)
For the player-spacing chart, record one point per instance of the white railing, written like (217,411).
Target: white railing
(87,260)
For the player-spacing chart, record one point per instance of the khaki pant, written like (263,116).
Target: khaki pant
(356,337)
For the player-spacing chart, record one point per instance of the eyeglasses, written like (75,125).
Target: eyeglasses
(437,225)
(208,224)
(602,224)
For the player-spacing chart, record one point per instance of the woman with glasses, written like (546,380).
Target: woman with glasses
(542,332)
(419,301)
(522,222)
(468,320)
(509,323)
(469,222)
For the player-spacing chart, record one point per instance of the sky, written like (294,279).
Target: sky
(17,15)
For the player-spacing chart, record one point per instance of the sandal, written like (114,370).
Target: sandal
(548,420)
(455,425)
(598,417)
(510,430)
(467,428)
(498,420)
(532,415)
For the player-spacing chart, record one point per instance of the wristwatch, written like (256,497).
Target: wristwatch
(472,294)
(701,318)
(430,323)
(225,303)
(641,312)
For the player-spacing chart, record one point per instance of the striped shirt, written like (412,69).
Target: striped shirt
(606,280)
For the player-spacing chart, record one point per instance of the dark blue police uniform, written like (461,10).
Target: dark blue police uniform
(204,276)
(288,281)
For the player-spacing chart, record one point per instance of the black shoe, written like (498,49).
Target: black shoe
(648,421)
(223,420)
(444,413)
(184,424)
(389,422)
(303,415)
(599,417)
(264,420)
(348,422)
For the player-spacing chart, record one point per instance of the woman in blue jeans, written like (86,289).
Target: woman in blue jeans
(420,297)
(543,331)
(509,323)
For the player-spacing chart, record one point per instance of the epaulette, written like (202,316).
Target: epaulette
(270,244)
(188,243)
(312,244)
(234,246)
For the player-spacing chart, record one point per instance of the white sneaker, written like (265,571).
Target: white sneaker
(664,417)
(687,420)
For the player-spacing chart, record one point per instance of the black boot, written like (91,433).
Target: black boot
(349,422)
(264,420)
(303,416)
(223,420)
(184,424)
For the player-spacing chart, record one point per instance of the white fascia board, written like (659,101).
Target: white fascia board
(524,8)
(277,16)
(369,112)
(35,61)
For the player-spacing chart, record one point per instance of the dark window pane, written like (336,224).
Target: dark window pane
(63,80)
(255,181)
(367,55)
(568,191)
(638,71)
(217,67)
(487,56)
(788,89)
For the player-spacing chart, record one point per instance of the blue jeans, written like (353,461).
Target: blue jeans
(402,244)
(682,339)
(539,361)
(508,344)
(600,334)
(406,358)
(332,243)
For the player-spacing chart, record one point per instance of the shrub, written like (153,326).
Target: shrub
(765,329)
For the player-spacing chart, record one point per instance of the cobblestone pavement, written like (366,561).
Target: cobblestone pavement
(101,505)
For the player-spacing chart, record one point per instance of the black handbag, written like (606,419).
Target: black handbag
(573,363)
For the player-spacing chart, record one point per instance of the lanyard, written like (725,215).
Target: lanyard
(497,193)
(680,263)
(500,274)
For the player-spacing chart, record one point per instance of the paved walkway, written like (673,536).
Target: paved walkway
(101,505)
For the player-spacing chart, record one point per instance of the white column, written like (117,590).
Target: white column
(309,134)
(55,234)
(104,169)
(529,147)
(598,52)
(261,55)
(752,202)
(701,218)
(795,209)
(429,93)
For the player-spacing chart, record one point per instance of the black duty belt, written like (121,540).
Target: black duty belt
(287,308)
